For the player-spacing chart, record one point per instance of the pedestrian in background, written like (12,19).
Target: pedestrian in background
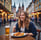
(32,18)
(0,21)
(36,19)
(4,21)
(10,21)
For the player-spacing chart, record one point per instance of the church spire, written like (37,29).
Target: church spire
(14,5)
(19,5)
(22,4)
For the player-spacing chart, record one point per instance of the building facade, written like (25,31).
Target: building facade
(13,10)
(34,9)
(6,3)
(17,13)
(20,9)
(30,9)
(37,5)
(37,8)
(2,2)
(5,8)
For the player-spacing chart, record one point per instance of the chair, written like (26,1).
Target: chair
(38,33)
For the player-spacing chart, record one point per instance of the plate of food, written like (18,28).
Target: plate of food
(18,35)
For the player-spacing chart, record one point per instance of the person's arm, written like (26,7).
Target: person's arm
(14,27)
(29,34)
(33,31)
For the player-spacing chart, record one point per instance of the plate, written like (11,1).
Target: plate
(12,35)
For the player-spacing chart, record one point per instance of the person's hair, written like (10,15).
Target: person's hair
(27,21)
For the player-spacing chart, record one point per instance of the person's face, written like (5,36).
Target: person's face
(22,17)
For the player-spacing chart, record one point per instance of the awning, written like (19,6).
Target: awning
(39,11)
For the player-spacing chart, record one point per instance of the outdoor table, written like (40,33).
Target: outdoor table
(4,37)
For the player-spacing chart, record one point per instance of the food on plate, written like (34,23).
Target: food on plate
(21,34)
(18,34)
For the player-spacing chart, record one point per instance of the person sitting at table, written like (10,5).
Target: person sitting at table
(25,25)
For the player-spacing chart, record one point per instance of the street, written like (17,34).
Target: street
(2,29)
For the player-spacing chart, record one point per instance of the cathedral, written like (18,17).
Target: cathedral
(17,13)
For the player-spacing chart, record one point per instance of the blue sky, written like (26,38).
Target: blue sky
(26,3)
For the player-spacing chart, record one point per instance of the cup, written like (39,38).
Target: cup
(7,30)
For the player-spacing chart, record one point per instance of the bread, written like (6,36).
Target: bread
(18,34)
(21,34)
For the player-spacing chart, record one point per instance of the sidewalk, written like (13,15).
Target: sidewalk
(37,27)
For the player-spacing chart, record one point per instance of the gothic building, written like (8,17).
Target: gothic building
(22,7)
(19,9)
(13,8)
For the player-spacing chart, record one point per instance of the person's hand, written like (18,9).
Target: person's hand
(14,28)
(30,34)
(26,33)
